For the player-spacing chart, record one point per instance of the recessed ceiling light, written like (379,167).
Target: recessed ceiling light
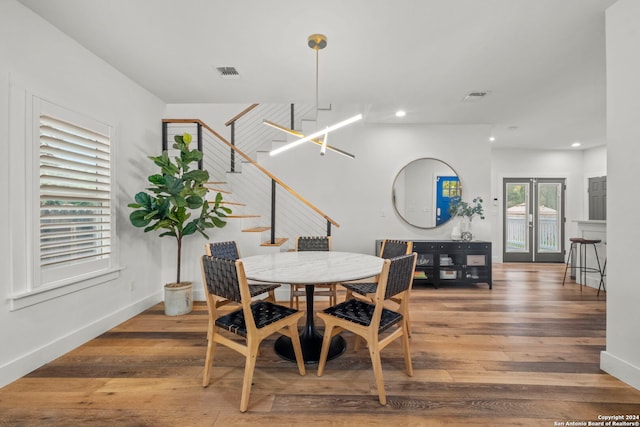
(576,144)
(401,113)
(492,138)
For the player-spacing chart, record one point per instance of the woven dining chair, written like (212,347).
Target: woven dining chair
(370,321)
(313,243)
(229,251)
(254,321)
(367,288)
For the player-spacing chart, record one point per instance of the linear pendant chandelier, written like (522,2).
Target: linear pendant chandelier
(315,42)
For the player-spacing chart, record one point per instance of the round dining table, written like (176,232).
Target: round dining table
(310,268)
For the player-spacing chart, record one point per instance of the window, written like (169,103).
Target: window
(75,206)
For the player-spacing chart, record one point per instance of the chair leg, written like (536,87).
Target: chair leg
(603,273)
(208,360)
(407,353)
(297,348)
(291,296)
(374,352)
(407,324)
(249,367)
(324,352)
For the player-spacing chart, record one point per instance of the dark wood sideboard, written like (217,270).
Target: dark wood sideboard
(451,262)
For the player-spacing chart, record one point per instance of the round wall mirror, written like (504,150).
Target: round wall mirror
(422,191)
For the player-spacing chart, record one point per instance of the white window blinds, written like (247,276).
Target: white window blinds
(75,193)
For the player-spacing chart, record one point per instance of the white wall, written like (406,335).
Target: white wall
(36,58)
(622,356)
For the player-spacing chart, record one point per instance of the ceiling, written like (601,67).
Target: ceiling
(542,62)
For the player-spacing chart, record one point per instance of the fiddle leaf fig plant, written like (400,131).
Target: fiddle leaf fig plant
(175,204)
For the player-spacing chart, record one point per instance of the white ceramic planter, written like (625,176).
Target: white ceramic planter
(178,298)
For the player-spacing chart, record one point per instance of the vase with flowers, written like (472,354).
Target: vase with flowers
(466,211)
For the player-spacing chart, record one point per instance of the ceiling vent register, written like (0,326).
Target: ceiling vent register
(228,72)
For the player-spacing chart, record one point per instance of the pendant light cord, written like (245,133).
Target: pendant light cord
(317,72)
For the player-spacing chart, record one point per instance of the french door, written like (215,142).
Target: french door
(533,219)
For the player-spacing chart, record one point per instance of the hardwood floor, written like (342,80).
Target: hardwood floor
(526,353)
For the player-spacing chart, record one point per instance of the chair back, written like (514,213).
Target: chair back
(400,276)
(221,278)
(313,243)
(395,248)
(224,250)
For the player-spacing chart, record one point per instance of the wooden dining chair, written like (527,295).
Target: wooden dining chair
(313,243)
(367,288)
(254,321)
(372,320)
(229,251)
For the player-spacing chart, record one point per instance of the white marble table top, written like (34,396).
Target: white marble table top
(311,267)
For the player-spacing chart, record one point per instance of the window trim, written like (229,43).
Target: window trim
(71,285)
(32,289)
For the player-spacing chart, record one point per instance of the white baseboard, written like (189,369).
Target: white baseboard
(620,369)
(28,362)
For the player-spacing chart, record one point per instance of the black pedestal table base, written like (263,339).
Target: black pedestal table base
(310,339)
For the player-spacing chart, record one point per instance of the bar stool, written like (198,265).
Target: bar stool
(582,254)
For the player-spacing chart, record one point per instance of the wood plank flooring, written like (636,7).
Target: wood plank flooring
(526,353)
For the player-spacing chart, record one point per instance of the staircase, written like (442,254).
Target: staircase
(262,202)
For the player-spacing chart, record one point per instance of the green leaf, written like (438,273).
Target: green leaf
(223,208)
(173,185)
(191,156)
(194,202)
(163,209)
(138,218)
(143,198)
(178,201)
(157,179)
(190,228)
(150,215)
(196,175)
(218,222)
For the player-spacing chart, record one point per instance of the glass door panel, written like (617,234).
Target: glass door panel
(517,234)
(549,220)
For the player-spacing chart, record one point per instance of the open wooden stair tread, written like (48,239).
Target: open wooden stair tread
(224,202)
(256,229)
(279,241)
(243,216)
(217,190)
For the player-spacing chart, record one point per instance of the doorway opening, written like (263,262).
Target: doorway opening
(533,219)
